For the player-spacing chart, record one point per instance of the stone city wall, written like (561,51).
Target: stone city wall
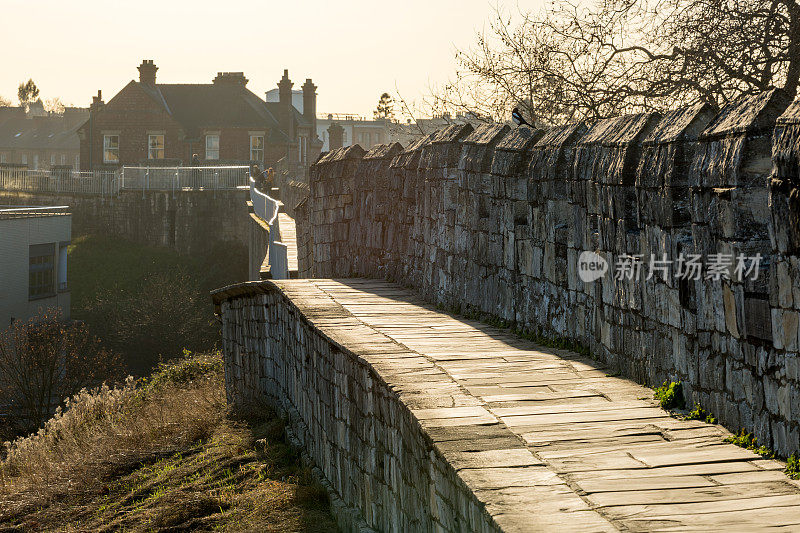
(190,222)
(297,350)
(494,220)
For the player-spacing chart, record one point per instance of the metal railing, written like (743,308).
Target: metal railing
(267,208)
(184,178)
(111,182)
(98,182)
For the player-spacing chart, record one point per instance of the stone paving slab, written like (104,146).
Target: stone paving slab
(545,438)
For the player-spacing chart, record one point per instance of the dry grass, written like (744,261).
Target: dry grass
(158,455)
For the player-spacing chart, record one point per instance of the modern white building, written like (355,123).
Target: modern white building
(33,261)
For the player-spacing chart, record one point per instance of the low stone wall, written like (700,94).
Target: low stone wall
(493,220)
(189,222)
(327,372)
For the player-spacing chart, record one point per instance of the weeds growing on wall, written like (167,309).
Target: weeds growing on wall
(670,395)
(749,442)
(698,413)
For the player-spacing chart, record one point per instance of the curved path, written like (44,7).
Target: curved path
(549,441)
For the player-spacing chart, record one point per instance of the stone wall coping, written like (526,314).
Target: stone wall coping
(684,124)
(451,133)
(340,154)
(520,139)
(748,114)
(384,151)
(619,131)
(419,143)
(560,135)
(791,115)
(487,134)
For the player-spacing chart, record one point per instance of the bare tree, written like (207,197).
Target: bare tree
(618,56)
(54,105)
(5,102)
(46,360)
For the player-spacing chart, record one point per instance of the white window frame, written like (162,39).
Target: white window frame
(153,152)
(2,158)
(24,159)
(63,159)
(52,159)
(212,153)
(302,148)
(254,152)
(109,150)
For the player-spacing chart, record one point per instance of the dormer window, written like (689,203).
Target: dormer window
(212,146)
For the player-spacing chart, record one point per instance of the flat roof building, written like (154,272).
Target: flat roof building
(33,261)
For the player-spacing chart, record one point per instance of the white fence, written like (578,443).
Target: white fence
(58,181)
(184,178)
(109,182)
(266,208)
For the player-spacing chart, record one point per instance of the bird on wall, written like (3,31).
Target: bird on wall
(517,117)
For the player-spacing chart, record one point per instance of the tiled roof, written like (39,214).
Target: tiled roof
(51,132)
(201,106)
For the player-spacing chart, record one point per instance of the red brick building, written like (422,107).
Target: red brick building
(158,124)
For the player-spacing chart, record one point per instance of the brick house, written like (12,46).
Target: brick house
(158,124)
(39,140)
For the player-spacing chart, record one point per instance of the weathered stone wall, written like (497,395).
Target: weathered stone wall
(292,191)
(494,220)
(327,373)
(189,222)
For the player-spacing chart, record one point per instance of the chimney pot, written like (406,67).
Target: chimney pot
(147,72)
(230,78)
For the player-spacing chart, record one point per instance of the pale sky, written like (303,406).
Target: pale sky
(353,50)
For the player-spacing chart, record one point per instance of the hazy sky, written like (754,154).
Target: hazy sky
(353,50)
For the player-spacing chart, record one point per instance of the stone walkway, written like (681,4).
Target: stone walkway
(289,238)
(549,441)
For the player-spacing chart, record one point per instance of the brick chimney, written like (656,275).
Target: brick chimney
(335,136)
(285,100)
(230,78)
(97,101)
(147,72)
(310,106)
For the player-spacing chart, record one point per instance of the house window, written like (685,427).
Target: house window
(63,159)
(110,148)
(212,146)
(41,271)
(77,162)
(52,159)
(2,158)
(24,159)
(35,161)
(155,146)
(257,148)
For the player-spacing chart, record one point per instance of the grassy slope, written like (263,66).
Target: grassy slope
(159,455)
